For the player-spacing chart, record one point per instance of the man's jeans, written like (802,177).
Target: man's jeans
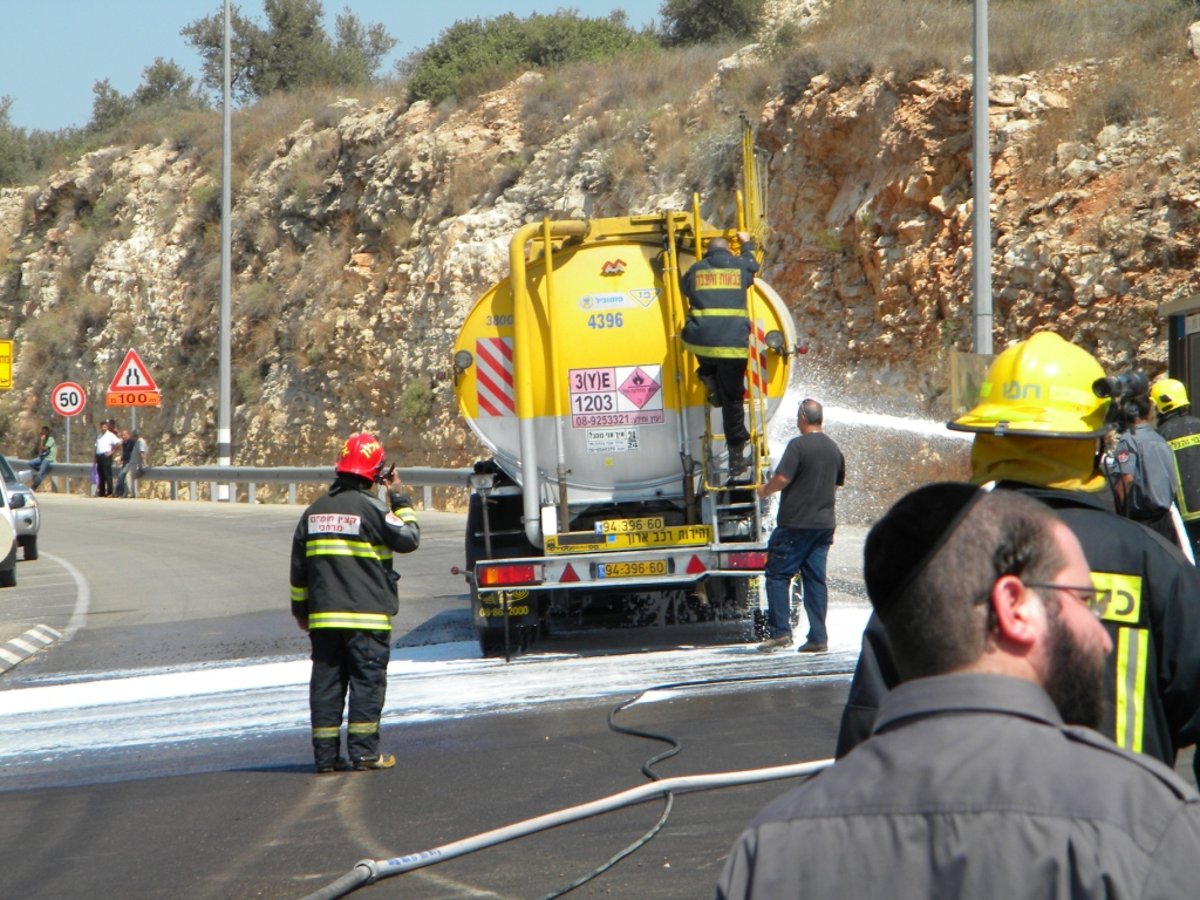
(40,467)
(802,550)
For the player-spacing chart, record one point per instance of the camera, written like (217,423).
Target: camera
(1130,394)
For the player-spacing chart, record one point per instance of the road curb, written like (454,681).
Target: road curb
(22,647)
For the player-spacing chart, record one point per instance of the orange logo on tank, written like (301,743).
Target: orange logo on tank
(613,267)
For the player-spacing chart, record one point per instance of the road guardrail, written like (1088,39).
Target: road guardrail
(251,477)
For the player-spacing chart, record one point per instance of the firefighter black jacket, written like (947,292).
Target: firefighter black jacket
(341,564)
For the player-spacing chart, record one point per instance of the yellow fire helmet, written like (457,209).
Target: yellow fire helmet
(1168,395)
(1041,386)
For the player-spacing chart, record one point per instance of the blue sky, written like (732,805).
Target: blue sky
(55,50)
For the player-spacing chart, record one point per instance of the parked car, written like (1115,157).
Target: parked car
(8,540)
(23,506)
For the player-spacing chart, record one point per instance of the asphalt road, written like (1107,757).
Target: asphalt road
(160,748)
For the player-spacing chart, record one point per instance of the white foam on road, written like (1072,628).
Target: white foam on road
(238,700)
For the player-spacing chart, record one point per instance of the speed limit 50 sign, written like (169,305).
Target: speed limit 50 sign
(68,399)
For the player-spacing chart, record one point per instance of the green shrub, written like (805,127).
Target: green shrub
(416,401)
(505,43)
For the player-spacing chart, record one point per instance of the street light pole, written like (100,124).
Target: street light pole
(981,227)
(224,396)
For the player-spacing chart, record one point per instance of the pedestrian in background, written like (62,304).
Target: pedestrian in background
(133,462)
(1181,430)
(344,596)
(808,475)
(106,442)
(1141,470)
(982,776)
(127,442)
(45,454)
(1042,441)
(717,331)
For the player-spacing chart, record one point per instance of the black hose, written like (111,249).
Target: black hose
(675,748)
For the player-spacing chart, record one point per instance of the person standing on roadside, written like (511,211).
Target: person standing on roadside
(809,473)
(127,444)
(717,332)
(106,442)
(344,596)
(1181,430)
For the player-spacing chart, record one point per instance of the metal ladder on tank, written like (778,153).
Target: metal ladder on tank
(731,499)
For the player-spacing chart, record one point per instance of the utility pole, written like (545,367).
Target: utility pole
(224,393)
(981,226)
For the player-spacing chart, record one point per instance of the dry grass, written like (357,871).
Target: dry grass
(910,36)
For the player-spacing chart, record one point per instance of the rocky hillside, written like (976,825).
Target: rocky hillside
(361,240)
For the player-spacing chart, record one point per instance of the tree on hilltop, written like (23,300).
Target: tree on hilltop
(709,21)
(15,161)
(165,86)
(292,51)
(475,47)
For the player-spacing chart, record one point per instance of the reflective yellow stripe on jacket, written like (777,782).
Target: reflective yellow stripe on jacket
(1132,646)
(365,621)
(1120,606)
(342,547)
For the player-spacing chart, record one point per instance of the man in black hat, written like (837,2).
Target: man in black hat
(982,775)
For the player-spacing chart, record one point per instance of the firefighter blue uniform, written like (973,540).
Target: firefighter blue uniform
(717,330)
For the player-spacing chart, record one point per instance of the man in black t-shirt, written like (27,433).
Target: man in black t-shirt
(809,474)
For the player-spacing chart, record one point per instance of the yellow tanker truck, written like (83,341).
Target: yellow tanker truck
(604,495)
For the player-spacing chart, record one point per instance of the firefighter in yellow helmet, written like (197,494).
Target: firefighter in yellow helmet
(1037,430)
(1181,430)
(344,596)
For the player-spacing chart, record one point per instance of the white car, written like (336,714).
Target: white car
(22,501)
(8,540)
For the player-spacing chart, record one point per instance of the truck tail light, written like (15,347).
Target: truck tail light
(749,559)
(502,576)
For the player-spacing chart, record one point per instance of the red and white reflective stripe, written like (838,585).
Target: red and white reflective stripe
(494,393)
(757,370)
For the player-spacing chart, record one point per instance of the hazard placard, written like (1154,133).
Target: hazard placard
(132,376)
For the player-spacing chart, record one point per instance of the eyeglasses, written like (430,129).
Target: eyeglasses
(1088,595)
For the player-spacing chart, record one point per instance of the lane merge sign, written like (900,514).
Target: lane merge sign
(133,385)
(68,399)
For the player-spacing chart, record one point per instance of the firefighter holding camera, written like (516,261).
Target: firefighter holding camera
(344,596)
(1141,466)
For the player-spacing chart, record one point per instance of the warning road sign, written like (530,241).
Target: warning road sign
(132,376)
(6,359)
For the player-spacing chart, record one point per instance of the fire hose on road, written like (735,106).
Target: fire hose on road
(368,871)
